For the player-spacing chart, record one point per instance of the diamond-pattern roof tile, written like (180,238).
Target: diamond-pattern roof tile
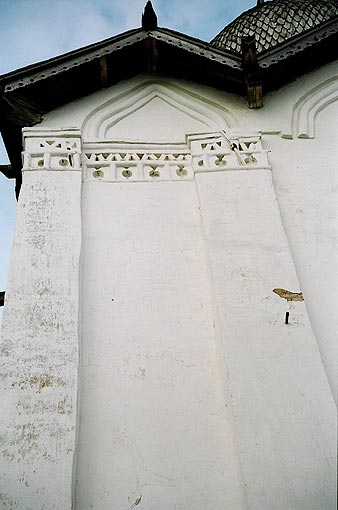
(275,21)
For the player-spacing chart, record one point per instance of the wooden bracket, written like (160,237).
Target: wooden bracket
(104,70)
(252,73)
(151,54)
(22,112)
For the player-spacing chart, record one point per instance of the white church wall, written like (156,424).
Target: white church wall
(193,391)
(253,202)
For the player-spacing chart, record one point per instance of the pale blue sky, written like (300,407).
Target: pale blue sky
(35,30)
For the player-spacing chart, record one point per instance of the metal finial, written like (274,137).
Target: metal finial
(149,18)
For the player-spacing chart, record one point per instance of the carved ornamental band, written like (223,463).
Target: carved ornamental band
(142,162)
(52,149)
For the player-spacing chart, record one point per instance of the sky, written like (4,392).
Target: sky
(35,30)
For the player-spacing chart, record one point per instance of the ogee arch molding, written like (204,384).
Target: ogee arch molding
(148,102)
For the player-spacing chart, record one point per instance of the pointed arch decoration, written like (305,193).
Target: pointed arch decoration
(309,105)
(205,111)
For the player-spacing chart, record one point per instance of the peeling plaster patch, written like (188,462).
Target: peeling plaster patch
(141,373)
(6,502)
(288,295)
(59,431)
(41,381)
(8,455)
(23,479)
(44,287)
(23,442)
(28,441)
(63,406)
(45,314)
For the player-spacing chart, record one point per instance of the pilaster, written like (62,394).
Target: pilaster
(40,327)
(280,395)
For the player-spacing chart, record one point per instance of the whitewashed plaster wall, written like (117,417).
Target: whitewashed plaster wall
(155,422)
(292,113)
(301,127)
(194,393)
(306,184)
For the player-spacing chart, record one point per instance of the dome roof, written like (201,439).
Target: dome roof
(275,21)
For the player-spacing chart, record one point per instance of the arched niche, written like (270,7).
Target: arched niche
(310,104)
(155,111)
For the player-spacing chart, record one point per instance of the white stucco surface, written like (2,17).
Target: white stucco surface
(250,256)
(193,392)
(150,371)
(306,182)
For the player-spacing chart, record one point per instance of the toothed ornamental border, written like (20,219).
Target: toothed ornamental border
(143,162)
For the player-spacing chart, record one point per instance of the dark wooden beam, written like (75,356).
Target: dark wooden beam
(151,46)
(252,73)
(104,70)
(21,111)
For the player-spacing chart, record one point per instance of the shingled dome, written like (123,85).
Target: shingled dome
(274,22)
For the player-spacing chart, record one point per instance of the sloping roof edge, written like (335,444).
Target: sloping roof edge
(41,70)
(27,93)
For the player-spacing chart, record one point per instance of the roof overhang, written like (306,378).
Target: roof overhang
(299,55)
(29,93)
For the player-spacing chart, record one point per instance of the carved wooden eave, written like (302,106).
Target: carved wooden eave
(28,93)
(175,49)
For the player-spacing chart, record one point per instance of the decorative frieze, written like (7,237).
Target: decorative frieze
(52,150)
(203,153)
(228,152)
(136,165)
(131,162)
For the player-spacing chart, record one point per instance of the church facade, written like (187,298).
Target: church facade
(169,331)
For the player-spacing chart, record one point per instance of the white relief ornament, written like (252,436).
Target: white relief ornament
(236,151)
(51,150)
(136,165)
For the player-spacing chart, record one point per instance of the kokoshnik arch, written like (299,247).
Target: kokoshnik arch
(169,329)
